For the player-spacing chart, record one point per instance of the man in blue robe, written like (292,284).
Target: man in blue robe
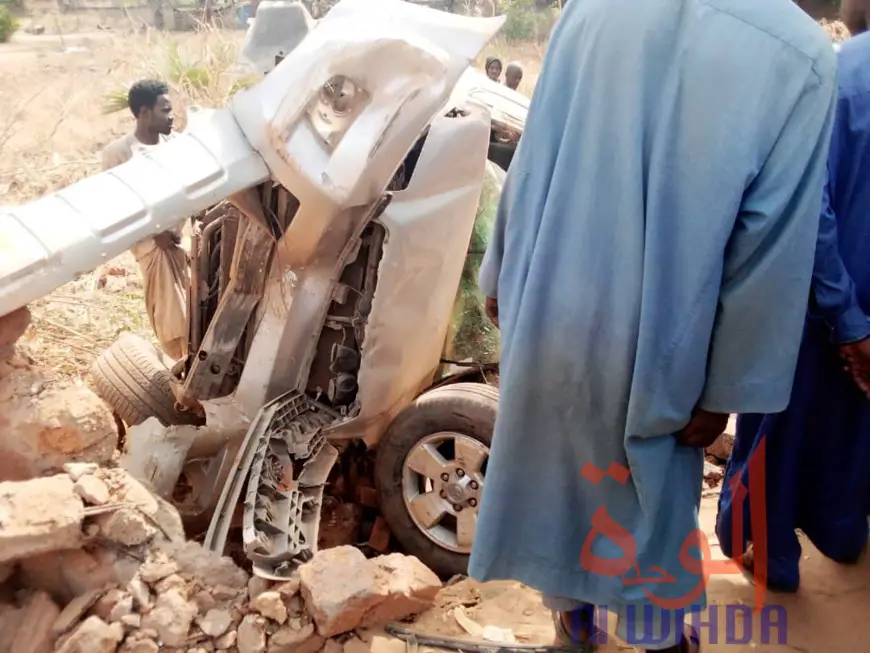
(649,272)
(817,453)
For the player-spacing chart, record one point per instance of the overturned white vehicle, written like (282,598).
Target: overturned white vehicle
(329,306)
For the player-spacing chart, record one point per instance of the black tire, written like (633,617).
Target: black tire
(466,408)
(130,376)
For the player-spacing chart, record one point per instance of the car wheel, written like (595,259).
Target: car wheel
(430,471)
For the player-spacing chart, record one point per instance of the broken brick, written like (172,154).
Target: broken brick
(39,516)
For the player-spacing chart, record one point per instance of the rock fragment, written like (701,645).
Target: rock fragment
(125,526)
(92,490)
(338,586)
(215,622)
(140,646)
(93,635)
(106,602)
(206,565)
(408,587)
(140,593)
(290,640)
(271,605)
(131,621)
(344,590)
(122,608)
(157,512)
(76,470)
(41,432)
(39,516)
(252,635)
(204,601)
(288,588)
(157,569)
(227,641)
(171,618)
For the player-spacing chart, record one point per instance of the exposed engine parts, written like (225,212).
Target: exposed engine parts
(336,364)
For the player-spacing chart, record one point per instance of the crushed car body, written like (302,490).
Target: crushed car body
(329,280)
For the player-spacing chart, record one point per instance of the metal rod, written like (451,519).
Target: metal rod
(470,646)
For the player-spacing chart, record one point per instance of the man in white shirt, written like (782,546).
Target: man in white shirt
(162,260)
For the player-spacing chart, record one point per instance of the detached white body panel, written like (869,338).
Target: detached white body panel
(407,57)
(53,240)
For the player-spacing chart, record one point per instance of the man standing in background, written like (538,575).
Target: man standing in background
(817,452)
(513,75)
(162,260)
(649,272)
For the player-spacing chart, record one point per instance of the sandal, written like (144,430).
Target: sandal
(565,636)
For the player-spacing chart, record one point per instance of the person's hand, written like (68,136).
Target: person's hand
(167,240)
(856,359)
(703,429)
(491,307)
(505,134)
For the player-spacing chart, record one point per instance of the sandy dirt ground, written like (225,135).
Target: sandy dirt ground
(825,616)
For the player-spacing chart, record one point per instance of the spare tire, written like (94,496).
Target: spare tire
(131,377)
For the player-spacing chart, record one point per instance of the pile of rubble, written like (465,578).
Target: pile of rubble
(44,424)
(92,562)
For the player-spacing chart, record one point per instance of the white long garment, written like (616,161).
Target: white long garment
(652,253)
(165,272)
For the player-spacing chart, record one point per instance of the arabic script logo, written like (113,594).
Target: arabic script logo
(704,567)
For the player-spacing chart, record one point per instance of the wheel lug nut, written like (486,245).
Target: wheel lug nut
(445,476)
(472,502)
(457,508)
(460,473)
(473,485)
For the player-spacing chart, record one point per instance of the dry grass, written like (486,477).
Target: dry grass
(53,128)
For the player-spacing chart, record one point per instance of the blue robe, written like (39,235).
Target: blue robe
(818,450)
(652,253)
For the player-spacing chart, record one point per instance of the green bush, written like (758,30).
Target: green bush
(472,336)
(526,21)
(8,24)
